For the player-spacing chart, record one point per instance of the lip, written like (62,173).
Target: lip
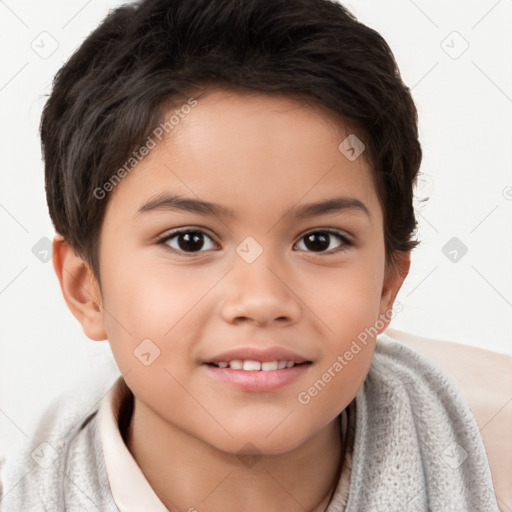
(258,354)
(257,381)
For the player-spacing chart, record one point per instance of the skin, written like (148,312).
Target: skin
(260,156)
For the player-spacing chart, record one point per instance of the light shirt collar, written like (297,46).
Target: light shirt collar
(130,489)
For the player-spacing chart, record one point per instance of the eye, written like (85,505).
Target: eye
(321,241)
(187,241)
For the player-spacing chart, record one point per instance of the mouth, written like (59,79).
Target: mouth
(256,370)
(252,365)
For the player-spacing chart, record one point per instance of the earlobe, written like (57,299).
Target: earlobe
(393,281)
(79,288)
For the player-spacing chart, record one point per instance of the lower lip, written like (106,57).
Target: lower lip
(257,380)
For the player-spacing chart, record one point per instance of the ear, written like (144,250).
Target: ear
(395,275)
(79,288)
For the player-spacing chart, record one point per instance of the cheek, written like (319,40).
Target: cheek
(345,299)
(156,302)
(350,318)
(347,303)
(152,325)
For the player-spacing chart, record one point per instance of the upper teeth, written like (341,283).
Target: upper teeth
(255,365)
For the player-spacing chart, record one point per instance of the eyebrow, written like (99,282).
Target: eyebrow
(167,202)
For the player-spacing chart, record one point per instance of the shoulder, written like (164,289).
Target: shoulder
(484,378)
(61,453)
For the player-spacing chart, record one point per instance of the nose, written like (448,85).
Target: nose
(259,294)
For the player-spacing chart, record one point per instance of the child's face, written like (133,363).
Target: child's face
(260,157)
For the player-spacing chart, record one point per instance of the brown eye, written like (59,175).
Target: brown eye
(188,241)
(322,241)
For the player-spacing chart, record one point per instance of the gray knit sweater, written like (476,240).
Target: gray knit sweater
(417,448)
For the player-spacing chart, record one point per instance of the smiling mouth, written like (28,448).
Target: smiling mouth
(251,365)
(251,375)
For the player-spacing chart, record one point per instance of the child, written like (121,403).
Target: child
(252,378)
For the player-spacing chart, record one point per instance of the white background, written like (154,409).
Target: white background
(465,111)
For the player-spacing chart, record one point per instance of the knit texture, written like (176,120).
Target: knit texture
(417,447)
(62,468)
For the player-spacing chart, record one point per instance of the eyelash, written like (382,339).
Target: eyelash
(346,242)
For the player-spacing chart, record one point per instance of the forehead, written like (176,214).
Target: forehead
(250,152)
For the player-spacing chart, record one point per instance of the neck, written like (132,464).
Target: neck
(188,474)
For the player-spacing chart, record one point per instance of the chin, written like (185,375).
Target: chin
(254,442)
